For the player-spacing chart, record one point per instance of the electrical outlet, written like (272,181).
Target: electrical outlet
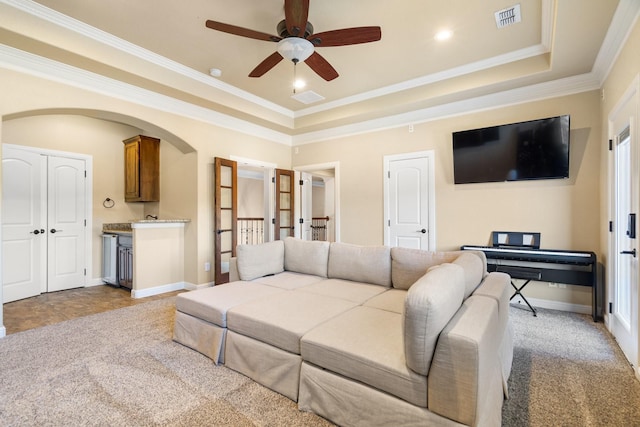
(553,285)
(207,266)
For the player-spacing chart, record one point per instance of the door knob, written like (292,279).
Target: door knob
(36,231)
(423,231)
(53,230)
(633,252)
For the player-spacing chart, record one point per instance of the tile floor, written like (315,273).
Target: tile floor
(54,307)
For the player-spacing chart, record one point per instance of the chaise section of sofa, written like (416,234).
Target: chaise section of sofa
(361,335)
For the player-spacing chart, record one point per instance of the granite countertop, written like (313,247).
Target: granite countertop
(127,227)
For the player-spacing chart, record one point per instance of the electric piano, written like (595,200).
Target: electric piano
(545,265)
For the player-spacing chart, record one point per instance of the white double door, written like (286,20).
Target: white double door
(43,223)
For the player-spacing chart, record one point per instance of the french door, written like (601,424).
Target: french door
(285,204)
(43,223)
(226,212)
(226,216)
(623,295)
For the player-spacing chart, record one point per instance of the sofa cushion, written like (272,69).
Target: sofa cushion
(473,271)
(344,289)
(288,280)
(365,344)
(260,260)
(430,304)
(308,257)
(368,264)
(408,265)
(390,300)
(282,320)
(212,304)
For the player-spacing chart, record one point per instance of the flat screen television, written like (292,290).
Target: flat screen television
(536,149)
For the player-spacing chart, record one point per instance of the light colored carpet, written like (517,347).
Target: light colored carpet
(568,371)
(122,368)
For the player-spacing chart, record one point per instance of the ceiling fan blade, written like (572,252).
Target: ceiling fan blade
(271,61)
(296,13)
(346,36)
(321,66)
(243,32)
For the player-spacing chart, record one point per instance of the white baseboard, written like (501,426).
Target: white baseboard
(554,305)
(142,293)
(193,286)
(156,290)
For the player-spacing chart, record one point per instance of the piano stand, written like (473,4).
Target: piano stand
(519,292)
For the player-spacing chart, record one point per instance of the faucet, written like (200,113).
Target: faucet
(151,216)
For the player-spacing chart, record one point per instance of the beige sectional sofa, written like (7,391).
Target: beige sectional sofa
(361,335)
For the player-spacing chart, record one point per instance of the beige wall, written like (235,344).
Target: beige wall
(187,174)
(566,212)
(158,257)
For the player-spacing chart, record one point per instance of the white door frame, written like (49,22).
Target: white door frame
(631,95)
(336,169)
(430,156)
(88,245)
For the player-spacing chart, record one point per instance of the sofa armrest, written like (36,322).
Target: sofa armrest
(234,276)
(465,380)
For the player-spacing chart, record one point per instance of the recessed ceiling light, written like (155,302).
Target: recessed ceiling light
(443,35)
(215,72)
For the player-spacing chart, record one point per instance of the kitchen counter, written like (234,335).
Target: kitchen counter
(157,251)
(127,227)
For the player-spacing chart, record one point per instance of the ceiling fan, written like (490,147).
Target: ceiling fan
(297,42)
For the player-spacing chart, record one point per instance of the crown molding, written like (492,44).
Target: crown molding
(24,62)
(428,79)
(624,19)
(112,41)
(546,36)
(107,39)
(537,92)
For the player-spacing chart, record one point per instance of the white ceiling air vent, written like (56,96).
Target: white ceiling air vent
(308,97)
(508,16)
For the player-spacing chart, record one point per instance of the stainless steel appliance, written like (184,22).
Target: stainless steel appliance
(110,258)
(117,259)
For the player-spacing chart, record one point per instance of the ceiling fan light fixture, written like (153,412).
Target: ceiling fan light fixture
(295,49)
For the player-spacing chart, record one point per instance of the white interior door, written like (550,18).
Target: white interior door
(408,201)
(66,223)
(44,223)
(305,185)
(23,225)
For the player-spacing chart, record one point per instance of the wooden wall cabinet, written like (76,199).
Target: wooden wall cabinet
(141,169)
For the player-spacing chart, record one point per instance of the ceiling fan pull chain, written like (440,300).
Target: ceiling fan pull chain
(295,79)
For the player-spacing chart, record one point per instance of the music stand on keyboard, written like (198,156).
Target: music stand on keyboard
(520,240)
